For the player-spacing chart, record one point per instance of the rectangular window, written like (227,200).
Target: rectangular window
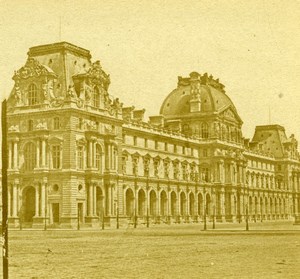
(134,140)
(204,152)
(166,146)
(146,143)
(56,123)
(56,156)
(80,157)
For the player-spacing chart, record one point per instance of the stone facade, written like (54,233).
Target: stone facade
(78,155)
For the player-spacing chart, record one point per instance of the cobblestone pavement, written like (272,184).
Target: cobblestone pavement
(267,250)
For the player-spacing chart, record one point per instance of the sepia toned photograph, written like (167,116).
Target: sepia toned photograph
(150,139)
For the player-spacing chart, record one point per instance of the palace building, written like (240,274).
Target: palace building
(78,155)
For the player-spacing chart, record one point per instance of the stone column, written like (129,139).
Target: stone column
(91,203)
(169,203)
(222,172)
(9,201)
(95,199)
(37,203)
(178,204)
(233,205)
(158,204)
(43,199)
(242,204)
(109,156)
(147,202)
(94,154)
(15,154)
(296,206)
(10,155)
(90,154)
(43,153)
(38,154)
(15,199)
(108,200)
(187,206)
(196,204)
(222,195)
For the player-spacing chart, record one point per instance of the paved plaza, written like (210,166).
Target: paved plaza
(267,250)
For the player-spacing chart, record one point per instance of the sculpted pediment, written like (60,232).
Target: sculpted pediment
(55,140)
(32,68)
(230,114)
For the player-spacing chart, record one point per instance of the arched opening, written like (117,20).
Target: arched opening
(152,203)
(266,206)
(192,205)
(261,206)
(163,203)
(129,202)
(280,206)
(99,202)
(173,204)
(141,203)
(200,205)
(29,156)
(182,204)
(256,206)
(271,206)
(28,204)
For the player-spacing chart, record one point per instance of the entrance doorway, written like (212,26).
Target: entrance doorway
(28,204)
(55,213)
(80,212)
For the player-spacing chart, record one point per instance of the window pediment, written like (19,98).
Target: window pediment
(55,140)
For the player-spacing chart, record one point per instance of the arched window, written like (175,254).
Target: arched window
(204,130)
(32,95)
(96,97)
(29,156)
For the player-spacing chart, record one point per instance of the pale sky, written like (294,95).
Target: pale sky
(253,47)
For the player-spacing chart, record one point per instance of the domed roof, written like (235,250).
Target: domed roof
(209,92)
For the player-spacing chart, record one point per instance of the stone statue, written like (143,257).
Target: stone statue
(71,92)
(88,91)
(18,94)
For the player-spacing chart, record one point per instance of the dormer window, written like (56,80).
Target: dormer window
(96,97)
(32,95)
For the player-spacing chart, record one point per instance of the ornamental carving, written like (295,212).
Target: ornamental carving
(32,68)
(98,76)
